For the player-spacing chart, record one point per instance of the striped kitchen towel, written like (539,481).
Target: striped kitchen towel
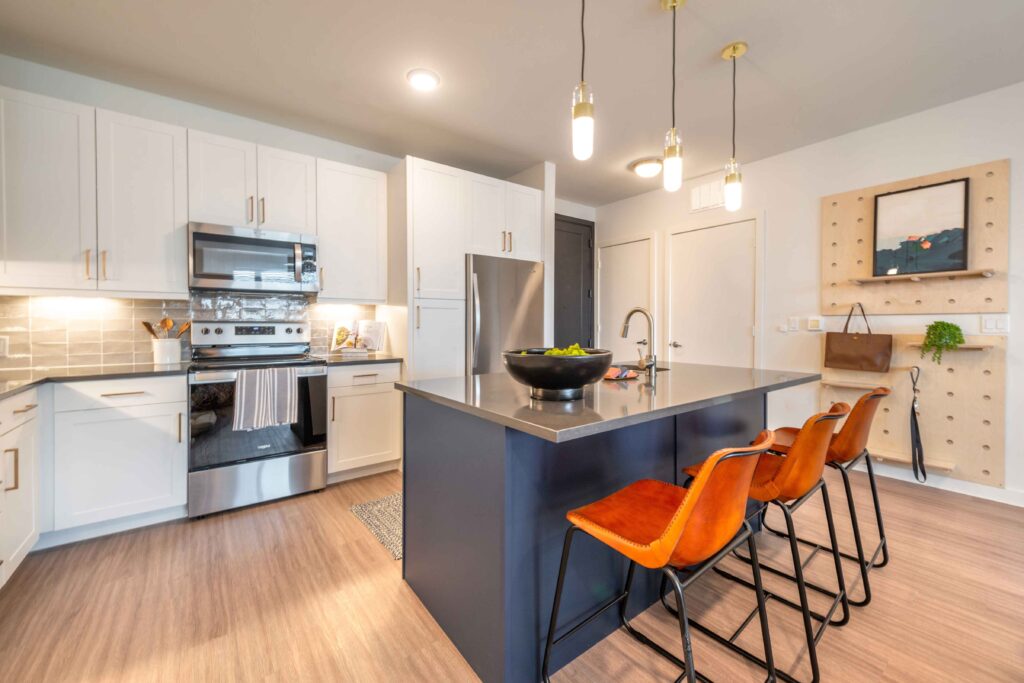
(266,397)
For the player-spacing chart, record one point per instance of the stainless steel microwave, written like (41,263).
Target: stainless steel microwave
(245,259)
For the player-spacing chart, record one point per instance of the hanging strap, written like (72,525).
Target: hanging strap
(846,327)
(916,449)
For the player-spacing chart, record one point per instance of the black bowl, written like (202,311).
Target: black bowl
(556,378)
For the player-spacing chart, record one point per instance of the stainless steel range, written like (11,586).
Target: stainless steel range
(229,468)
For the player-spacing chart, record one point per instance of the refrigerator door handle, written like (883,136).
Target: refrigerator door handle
(476,319)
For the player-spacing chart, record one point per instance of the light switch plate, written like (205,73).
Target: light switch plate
(995,324)
(794,323)
(815,323)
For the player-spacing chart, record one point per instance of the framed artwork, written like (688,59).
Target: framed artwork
(922,230)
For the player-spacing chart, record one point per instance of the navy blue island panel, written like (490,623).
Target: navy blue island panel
(489,475)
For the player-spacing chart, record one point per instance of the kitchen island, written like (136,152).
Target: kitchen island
(489,474)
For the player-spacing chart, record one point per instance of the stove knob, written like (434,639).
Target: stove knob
(218,331)
(205,330)
(298,330)
(287,330)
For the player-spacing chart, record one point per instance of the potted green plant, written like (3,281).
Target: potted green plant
(941,336)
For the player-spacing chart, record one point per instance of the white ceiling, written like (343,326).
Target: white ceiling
(816,69)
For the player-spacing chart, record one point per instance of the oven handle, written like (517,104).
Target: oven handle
(221,376)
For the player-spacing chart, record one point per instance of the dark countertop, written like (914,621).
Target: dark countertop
(14,380)
(369,359)
(605,406)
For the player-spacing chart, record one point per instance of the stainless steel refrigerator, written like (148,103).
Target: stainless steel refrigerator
(504,309)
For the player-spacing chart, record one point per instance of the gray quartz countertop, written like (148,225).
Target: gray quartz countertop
(369,359)
(14,380)
(605,405)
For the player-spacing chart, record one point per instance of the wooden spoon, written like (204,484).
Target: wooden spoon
(183,329)
(149,328)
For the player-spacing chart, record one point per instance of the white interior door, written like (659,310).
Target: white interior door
(624,281)
(711,295)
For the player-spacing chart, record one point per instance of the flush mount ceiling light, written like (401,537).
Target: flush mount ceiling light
(648,167)
(582,103)
(423,80)
(672,165)
(733,177)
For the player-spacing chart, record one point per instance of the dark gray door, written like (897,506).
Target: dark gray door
(574,281)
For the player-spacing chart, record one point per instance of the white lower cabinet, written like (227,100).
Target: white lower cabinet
(438,338)
(115,462)
(19,501)
(364,413)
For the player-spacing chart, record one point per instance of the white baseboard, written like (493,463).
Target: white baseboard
(939,481)
(52,539)
(359,472)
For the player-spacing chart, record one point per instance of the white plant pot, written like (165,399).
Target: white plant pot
(166,351)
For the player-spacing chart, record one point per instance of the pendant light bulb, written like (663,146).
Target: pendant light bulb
(733,186)
(582,122)
(672,163)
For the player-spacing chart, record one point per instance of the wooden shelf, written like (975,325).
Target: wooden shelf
(962,347)
(851,385)
(918,277)
(900,458)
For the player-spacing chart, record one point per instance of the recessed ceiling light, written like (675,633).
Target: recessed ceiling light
(647,167)
(424,80)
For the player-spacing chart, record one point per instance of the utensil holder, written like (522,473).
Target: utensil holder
(166,351)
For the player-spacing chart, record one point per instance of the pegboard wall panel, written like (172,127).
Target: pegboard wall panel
(847,247)
(962,414)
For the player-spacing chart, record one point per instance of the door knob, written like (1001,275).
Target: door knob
(676,345)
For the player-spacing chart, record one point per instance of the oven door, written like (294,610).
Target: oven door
(212,441)
(225,257)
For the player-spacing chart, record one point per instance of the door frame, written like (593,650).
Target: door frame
(759,278)
(653,290)
(593,265)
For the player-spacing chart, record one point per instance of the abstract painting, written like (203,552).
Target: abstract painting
(922,230)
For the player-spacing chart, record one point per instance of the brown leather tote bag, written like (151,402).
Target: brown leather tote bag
(858,351)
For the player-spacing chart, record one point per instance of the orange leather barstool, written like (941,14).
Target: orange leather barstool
(666,527)
(847,449)
(787,477)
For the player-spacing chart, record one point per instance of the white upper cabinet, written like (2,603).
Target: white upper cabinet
(221,180)
(142,204)
(524,208)
(488,229)
(352,239)
(48,193)
(437,230)
(287,191)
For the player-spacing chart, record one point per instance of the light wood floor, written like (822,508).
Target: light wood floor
(299,590)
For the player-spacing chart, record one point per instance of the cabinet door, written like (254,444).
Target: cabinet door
(19,450)
(352,232)
(287,191)
(438,231)
(488,231)
(48,192)
(364,426)
(439,339)
(142,204)
(116,462)
(525,222)
(221,180)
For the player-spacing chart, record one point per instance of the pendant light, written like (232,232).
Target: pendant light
(672,163)
(733,177)
(582,104)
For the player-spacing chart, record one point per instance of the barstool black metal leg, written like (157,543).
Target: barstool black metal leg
(762,607)
(557,602)
(858,543)
(805,607)
(878,515)
(684,623)
(837,557)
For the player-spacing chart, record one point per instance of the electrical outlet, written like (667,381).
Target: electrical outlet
(815,323)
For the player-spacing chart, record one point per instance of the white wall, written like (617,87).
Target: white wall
(784,192)
(563,207)
(44,80)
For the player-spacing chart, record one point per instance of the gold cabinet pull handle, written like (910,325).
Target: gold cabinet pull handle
(417,278)
(504,239)
(17,469)
(179,427)
(510,241)
(321,278)
(88,260)
(248,214)
(103,264)
(122,393)
(333,411)
(263,210)
(368,374)
(30,406)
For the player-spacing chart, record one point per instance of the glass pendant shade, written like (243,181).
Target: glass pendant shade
(582,121)
(672,164)
(733,186)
